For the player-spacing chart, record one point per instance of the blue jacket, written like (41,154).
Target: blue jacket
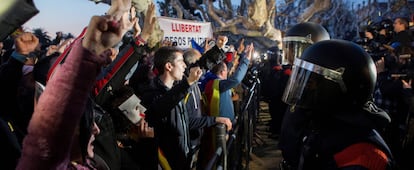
(226,108)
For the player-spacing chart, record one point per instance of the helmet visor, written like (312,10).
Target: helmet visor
(304,87)
(293,47)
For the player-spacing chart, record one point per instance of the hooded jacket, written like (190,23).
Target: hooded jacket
(168,115)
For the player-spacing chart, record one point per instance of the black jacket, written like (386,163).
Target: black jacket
(168,115)
(10,76)
(317,138)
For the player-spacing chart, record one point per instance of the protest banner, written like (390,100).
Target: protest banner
(182,31)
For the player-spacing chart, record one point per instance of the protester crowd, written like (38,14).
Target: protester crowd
(105,100)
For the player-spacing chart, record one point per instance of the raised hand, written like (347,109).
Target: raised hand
(166,43)
(380,65)
(127,22)
(406,84)
(118,8)
(195,74)
(149,22)
(141,130)
(206,44)
(51,49)
(241,47)
(103,33)
(59,48)
(137,28)
(65,44)
(145,130)
(26,43)
(249,51)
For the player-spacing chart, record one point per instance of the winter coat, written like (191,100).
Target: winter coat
(168,115)
(59,111)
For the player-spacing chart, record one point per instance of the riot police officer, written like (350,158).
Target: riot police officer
(333,81)
(297,39)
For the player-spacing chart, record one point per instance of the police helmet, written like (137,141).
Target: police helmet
(274,55)
(299,37)
(331,74)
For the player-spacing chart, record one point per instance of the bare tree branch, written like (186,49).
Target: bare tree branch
(256,13)
(233,29)
(234,21)
(222,12)
(398,4)
(316,6)
(229,7)
(242,8)
(212,14)
(269,30)
(174,4)
(272,11)
(181,11)
(194,5)
(335,7)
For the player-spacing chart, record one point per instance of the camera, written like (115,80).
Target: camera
(209,59)
(404,68)
(386,25)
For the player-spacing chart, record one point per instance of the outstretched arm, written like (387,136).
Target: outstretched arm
(60,107)
(240,71)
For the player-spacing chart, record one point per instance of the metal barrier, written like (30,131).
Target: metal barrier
(221,148)
(246,123)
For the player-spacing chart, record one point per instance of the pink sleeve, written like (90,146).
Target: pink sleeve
(59,110)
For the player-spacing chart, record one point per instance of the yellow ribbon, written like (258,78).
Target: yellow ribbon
(215,99)
(163,160)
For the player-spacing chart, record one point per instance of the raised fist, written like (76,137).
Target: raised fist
(26,43)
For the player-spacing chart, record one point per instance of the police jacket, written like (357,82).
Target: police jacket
(346,141)
(168,115)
